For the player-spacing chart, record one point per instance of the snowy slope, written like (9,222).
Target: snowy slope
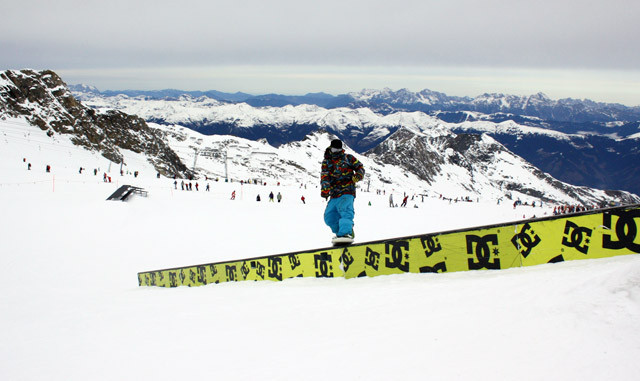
(72,309)
(504,178)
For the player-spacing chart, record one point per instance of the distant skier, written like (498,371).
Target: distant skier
(233,195)
(271,197)
(302,198)
(391,205)
(404,202)
(279,197)
(340,172)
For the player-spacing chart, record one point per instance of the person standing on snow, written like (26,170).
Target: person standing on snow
(340,172)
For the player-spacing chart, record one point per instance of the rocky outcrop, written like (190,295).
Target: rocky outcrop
(44,100)
(477,163)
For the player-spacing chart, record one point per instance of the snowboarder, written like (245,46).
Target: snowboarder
(339,175)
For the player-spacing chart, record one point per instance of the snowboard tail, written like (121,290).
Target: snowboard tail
(342,241)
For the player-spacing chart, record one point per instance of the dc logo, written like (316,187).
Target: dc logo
(182,276)
(430,245)
(524,242)
(347,259)
(173,279)
(322,262)
(231,273)
(437,268)
(202,274)
(294,261)
(372,259)
(626,231)
(275,268)
(397,258)
(480,247)
(574,235)
(245,270)
(260,269)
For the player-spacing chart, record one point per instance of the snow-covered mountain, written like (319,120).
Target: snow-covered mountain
(597,155)
(537,105)
(43,99)
(440,164)
(559,112)
(412,151)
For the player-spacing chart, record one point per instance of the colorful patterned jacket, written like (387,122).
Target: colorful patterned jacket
(340,172)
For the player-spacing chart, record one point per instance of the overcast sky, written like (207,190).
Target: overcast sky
(564,48)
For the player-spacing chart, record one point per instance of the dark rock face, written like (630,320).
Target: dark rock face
(480,158)
(45,101)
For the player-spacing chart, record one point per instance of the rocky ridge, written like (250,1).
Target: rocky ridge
(43,99)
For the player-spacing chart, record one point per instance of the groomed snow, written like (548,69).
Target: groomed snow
(72,308)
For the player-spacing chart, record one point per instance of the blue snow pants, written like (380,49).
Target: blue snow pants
(339,214)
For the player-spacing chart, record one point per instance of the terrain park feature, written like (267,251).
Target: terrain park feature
(123,193)
(594,234)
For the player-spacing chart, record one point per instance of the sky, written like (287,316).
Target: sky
(564,48)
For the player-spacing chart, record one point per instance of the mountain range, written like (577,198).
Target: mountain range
(603,155)
(402,150)
(567,111)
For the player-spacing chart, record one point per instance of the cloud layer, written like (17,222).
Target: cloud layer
(491,34)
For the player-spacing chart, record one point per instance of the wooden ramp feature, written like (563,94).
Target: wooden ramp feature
(122,193)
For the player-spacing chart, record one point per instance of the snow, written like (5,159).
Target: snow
(72,308)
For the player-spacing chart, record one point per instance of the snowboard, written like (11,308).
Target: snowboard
(342,241)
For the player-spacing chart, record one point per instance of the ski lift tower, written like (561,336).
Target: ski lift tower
(226,165)
(226,160)
(195,157)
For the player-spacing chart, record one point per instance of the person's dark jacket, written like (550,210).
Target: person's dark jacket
(340,172)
